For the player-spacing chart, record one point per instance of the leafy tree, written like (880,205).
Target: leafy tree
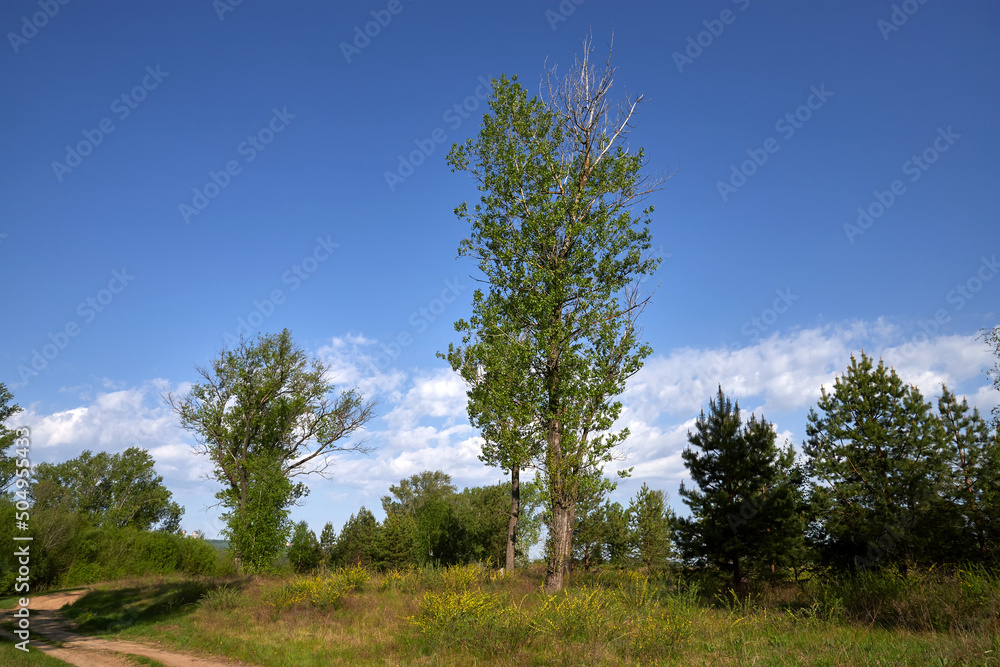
(481,511)
(7,436)
(357,542)
(992,339)
(411,494)
(743,509)
(497,407)
(304,552)
(873,453)
(972,484)
(651,520)
(265,416)
(555,237)
(111,490)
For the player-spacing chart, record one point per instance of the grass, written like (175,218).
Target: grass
(14,656)
(470,615)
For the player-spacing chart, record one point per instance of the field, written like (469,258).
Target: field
(472,615)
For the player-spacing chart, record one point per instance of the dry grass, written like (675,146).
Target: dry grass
(606,618)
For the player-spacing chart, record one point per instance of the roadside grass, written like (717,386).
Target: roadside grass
(471,615)
(113,607)
(14,656)
(12,601)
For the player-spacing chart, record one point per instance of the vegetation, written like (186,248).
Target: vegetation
(552,341)
(265,416)
(110,490)
(68,550)
(475,615)
(7,436)
(743,511)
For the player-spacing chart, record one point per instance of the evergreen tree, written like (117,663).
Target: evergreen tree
(651,521)
(618,541)
(356,544)
(304,553)
(972,484)
(396,542)
(328,542)
(744,508)
(873,453)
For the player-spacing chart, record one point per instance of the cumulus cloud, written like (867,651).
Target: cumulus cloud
(421,422)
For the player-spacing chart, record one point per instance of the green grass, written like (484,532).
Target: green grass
(9,655)
(141,660)
(466,616)
(114,607)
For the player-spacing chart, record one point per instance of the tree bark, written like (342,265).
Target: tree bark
(515,513)
(557,572)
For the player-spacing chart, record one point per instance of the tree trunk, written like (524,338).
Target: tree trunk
(515,513)
(557,571)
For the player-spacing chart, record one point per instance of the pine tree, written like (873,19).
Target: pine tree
(304,553)
(972,484)
(356,544)
(744,508)
(873,452)
(328,542)
(651,521)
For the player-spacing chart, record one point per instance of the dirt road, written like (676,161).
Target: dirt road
(85,651)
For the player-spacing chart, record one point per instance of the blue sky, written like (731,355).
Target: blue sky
(166,174)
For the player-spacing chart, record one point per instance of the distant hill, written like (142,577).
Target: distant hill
(221,545)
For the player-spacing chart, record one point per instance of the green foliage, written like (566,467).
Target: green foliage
(67,550)
(357,542)
(265,415)
(396,541)
(7,436)
(328,542)
(258,525)
(652,521)
(745,505)
(304,552)
(553,340)
(411,494)
(970,527)
(874,454)
(111,490)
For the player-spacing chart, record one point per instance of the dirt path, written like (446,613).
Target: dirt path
(87,651)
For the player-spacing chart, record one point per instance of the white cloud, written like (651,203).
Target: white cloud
(421,423)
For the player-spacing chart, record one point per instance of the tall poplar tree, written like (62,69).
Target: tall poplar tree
(563,256)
